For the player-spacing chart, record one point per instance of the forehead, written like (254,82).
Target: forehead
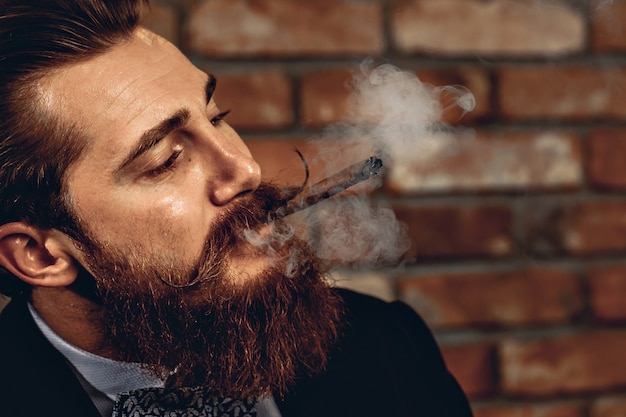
(118,94)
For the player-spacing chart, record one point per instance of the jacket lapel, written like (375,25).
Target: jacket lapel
(35,379)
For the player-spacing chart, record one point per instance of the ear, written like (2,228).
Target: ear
(37,257)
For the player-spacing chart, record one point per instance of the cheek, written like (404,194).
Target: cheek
(173,208)
(177,225)
(173,221)
(161,224)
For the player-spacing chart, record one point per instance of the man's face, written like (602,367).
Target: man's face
(161,167)
(162,193)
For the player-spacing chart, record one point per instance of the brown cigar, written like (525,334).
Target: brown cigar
(330,186)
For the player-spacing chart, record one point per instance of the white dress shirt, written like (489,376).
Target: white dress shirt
(105,378)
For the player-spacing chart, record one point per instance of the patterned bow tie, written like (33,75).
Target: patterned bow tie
(181,402)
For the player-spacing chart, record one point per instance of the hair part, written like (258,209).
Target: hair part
(37,147)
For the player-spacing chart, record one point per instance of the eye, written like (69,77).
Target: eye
(217,119)
(169,164)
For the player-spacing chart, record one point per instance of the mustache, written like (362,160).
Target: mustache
(250,212)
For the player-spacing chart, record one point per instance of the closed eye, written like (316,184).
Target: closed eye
(215,121)
(168,165)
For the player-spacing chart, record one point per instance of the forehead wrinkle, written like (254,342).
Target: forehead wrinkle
(126,98)
(144,64)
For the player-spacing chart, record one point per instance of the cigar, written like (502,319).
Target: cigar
(330,186)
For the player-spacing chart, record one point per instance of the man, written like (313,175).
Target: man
(124,197)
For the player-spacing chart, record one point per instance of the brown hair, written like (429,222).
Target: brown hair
(37,148)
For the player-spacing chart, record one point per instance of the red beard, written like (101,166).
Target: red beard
(239,341)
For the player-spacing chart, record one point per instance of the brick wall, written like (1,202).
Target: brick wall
(518,260)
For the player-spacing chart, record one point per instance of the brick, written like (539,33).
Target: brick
(489,162)
(608,407)
(605,164)
(505,299)
(474,367)
(565,92)
(164,21)
(579,363)
(594,227)
(446,231)
(259,101)
(324,93)
(531,410)
(285,28)
(323,97)
(496,27)
(607,292)
(582,228)
(608,26)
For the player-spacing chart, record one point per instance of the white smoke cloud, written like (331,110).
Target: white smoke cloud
(401,111)
(391,114)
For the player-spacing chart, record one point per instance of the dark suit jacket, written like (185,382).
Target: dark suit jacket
(387,365)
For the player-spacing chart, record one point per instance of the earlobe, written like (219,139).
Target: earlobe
(37,257)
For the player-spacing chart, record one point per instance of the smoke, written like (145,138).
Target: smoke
(401,113)
(390,114)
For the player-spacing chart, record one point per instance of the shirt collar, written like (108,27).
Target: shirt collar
(106,375)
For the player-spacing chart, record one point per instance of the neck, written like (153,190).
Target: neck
(73,317)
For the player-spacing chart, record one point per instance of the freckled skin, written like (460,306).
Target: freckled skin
(114,99)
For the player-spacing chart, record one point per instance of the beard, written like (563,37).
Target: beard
(200,326)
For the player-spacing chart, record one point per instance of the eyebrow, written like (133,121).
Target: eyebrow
(209,88)
(151,137)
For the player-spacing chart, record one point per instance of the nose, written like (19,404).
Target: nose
(234,171)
